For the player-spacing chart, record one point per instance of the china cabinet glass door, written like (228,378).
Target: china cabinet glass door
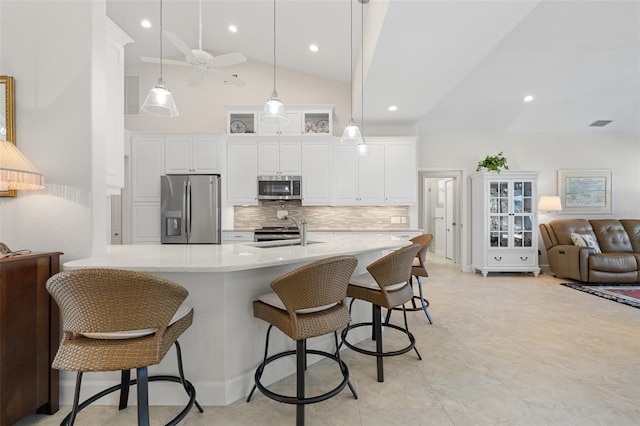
(510,214)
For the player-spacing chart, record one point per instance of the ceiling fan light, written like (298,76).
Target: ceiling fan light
(160,101)
(274,113)
(351,134)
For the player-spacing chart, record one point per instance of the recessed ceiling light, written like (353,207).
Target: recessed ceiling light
(233,28)
(528,98)
(313,47)
(145,23)
(393,108)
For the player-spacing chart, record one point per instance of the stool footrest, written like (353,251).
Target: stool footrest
(287,399)
(412,340)
(191,391)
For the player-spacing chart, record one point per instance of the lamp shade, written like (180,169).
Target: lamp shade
(351,134)
(160,101)
(274,113)
(16,171)
(362,149)
(549,203)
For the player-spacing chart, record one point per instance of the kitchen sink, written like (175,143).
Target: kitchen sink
(280,243)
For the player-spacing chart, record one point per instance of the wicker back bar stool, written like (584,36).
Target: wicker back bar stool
(418,269)
(386,285)
(117,320)
(307,302)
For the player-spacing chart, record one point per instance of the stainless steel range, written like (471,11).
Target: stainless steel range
(275,233)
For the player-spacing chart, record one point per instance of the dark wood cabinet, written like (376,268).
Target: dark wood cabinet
(29,336)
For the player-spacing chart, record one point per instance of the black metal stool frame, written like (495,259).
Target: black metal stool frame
(423,302)
(300,399)
(376,334)
(143,393)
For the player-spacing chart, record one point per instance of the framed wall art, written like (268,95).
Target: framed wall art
(586,191)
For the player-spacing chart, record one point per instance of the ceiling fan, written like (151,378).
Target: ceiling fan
(202,61)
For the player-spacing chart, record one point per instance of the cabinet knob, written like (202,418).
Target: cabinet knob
(498,258)
(524,258)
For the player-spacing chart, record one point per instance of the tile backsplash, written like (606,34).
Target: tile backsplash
(323,217)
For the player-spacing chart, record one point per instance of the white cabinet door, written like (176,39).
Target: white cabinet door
(191,154)
(316,173)
(268,158)
(400,172)
(279,158)
(371,175)
(116,39)
(345,175)
(146,223)
(147,158)
(242,166)
(178,155)
(206,155)
(290,129)
(233,237)
(290,158)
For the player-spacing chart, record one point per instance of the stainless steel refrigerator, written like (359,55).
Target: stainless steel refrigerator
(190,209)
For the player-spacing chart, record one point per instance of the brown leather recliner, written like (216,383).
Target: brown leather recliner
(619,241)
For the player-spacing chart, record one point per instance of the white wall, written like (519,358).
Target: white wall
(543,152)
(54,51)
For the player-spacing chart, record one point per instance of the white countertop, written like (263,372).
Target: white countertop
(229,257)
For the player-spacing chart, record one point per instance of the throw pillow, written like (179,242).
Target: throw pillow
(585,240)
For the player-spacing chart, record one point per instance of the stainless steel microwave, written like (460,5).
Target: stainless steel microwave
(279,187)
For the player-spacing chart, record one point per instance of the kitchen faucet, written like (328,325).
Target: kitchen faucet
(301,223)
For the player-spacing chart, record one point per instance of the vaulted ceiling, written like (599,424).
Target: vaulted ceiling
(454,65)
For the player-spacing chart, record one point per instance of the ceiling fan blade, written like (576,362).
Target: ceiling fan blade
(164,61)
(226,60)
(182,46)
(226,77)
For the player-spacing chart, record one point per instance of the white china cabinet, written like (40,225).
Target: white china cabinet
(504,222)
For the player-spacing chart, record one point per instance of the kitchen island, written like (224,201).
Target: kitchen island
(225,343)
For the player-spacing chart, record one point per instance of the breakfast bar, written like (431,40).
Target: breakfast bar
(225,342)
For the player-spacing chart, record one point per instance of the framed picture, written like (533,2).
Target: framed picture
(585,191)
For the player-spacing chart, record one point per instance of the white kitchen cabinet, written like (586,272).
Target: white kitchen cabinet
(116,39)
(279,158)
(147,165)
(404,235)
(358,180)
(504,222)
(316,172)
(192,154)
(400,172)
(146,223)
(304,120)
(242,172)
(233,237)
(292,128)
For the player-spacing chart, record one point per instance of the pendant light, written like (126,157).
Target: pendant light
(362,148)
(159,100)
(351,132)
(274,113)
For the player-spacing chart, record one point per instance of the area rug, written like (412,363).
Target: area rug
(627,294)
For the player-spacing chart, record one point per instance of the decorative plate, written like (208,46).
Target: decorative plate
(322,126)
(238,126)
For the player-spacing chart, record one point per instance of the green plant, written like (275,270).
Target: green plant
(493,163)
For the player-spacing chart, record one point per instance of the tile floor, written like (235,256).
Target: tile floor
(509,349)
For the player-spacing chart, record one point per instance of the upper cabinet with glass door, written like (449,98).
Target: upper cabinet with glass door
(304,120)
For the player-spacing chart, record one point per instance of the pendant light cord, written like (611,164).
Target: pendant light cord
(351,55)
(274,46)
(362,67)
(161,78)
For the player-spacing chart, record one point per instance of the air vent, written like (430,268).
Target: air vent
(600,123)
(131,95)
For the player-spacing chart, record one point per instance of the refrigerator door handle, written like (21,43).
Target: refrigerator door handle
(187,210)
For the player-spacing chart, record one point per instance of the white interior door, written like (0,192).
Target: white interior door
(450,223)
